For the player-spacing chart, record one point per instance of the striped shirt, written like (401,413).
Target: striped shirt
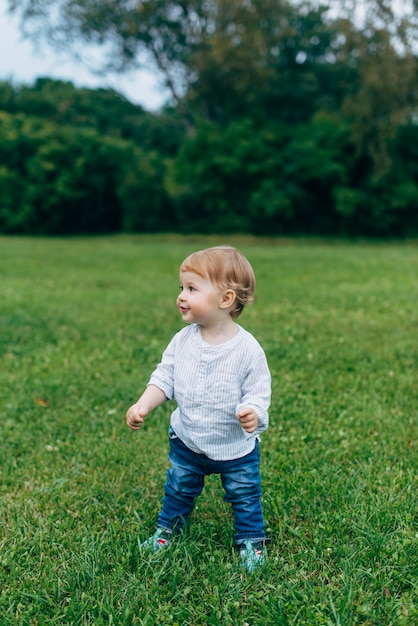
(211,384)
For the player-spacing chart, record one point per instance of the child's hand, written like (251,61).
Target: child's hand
(135,416)
(152,397)
(248,419)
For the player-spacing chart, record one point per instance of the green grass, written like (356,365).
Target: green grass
(82,324)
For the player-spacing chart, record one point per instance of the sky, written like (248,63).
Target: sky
(21,63)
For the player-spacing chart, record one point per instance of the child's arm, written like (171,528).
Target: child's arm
(152,397)
(252,411)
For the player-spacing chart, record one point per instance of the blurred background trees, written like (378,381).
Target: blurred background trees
(285,118)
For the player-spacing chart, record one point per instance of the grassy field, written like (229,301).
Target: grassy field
(84,321)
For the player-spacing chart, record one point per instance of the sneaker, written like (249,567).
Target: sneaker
(159,540)
(252,555)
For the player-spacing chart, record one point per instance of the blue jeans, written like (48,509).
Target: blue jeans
(240,479)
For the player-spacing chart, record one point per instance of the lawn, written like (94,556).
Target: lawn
(83,322)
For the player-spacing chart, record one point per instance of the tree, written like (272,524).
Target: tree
(57,179)
(174,34)
(251,78)
(226,58)
(106,111)
(162,32)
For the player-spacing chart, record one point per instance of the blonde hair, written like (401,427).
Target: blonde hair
(226,268)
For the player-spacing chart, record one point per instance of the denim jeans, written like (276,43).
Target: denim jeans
(240,480)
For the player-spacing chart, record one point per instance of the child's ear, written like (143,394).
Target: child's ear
(228,298)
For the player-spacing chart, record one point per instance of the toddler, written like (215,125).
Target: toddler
(218,374)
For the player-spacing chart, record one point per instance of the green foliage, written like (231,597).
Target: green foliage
(144,200)
(70,163)
(286,118)
(271,60)
(69,178)
(270,180)
(103,110)
(339,463)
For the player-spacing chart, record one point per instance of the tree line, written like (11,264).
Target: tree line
(284,119)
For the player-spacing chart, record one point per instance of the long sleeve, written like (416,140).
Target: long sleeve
(163,375)
(256,390)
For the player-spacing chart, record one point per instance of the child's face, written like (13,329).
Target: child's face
(199,300)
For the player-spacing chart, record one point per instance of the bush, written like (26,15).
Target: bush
(58,180)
